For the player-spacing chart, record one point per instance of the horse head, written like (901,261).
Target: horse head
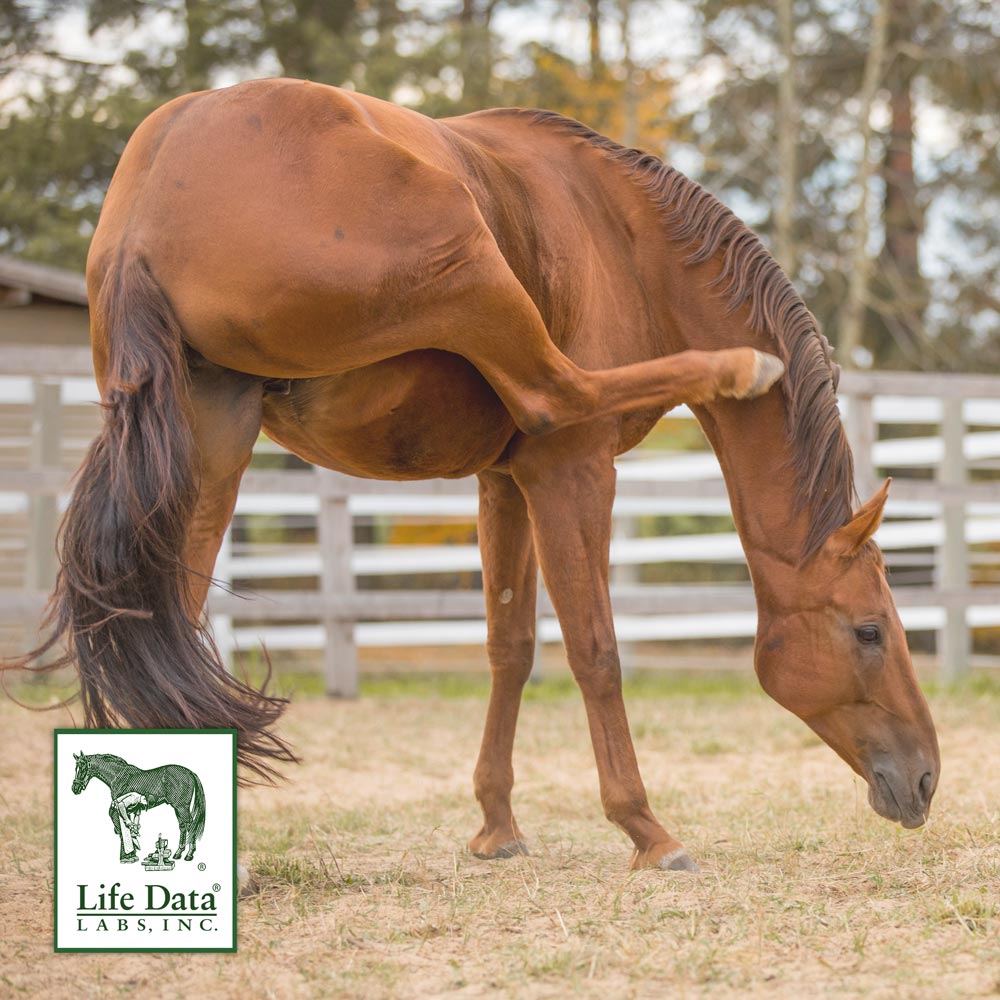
(83,773)
(831,649)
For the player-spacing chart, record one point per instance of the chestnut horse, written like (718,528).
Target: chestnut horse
(507,294)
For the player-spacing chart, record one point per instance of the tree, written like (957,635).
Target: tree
(795,177)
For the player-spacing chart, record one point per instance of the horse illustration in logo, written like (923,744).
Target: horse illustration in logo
(133,790)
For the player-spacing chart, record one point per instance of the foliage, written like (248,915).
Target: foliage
(763,110)
(933,301)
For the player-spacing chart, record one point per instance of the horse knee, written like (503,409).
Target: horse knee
(511,657)
(598,672)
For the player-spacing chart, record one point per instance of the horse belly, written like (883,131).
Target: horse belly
(419,415)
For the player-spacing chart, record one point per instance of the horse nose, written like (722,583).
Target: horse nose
(926,789)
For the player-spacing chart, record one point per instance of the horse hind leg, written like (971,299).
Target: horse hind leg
(184,828)
(545,391)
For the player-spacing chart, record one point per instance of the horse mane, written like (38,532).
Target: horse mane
(113,759)
(698,220)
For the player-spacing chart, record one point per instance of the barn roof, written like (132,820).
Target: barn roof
(31,279)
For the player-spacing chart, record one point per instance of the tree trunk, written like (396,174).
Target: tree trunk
(196,57)
(901,284)
(855,307)
(787,121)
(476,54)
(630,131)
(594,25)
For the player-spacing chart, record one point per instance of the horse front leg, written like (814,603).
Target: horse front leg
(568,481)
(509,583)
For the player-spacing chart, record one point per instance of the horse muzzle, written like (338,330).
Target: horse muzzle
(899,796)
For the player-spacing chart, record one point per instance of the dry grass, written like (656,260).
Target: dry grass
(365,889)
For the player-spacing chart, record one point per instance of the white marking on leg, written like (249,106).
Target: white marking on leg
(506,595)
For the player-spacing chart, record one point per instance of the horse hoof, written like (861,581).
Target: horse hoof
(509,850)
(677,861)
(177,856)
(129,859)
(246,884)
(766,371)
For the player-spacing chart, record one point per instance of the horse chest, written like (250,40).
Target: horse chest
(416,416)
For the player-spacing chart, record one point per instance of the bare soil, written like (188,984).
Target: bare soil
(364,888)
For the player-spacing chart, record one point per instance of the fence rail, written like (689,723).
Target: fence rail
(943,525)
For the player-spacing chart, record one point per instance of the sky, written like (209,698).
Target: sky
(660,29)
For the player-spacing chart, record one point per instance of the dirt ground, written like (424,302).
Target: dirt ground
(364,888)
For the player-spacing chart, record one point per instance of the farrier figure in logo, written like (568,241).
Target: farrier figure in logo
(133,790)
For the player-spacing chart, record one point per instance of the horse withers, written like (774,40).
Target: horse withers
(506,294)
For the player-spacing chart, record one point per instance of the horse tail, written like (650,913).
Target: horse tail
(120,603)
(198,808)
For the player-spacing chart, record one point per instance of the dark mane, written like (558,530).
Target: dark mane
(111,757)
(697,219)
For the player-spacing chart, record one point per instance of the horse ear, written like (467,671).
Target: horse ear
(77,756)
(847,542)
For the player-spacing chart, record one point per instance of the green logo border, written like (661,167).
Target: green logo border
(55,836)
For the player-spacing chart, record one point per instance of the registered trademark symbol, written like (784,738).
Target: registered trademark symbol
(201,866)
(216,887)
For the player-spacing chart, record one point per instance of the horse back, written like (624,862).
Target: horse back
(171,783)
(289,223)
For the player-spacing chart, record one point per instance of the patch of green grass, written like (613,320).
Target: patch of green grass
(285,870)
(562,686)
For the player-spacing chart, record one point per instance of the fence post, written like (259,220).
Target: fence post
(627,573)
(43,510)
(861,433)
(954,641)
(46,411)
(536,664)
(336,542)
(222,625)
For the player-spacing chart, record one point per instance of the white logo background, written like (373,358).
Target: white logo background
(87,847)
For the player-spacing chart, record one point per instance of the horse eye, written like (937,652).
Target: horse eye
(869,634)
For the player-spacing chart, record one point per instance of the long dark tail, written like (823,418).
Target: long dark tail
(119,602)
(198,809)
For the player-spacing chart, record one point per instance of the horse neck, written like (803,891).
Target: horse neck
(106,771)
(750,438)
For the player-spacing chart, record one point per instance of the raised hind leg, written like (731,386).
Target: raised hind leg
(568,483)
(545,391)
(115,819)
(509,582)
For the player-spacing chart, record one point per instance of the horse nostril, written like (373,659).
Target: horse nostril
(926,784)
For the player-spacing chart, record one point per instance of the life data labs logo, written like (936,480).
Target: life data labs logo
(145,846)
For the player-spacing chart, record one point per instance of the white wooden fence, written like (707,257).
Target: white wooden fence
(943,519)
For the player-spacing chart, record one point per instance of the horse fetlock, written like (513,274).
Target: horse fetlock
(498,845)
(748,373)
(669,855)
